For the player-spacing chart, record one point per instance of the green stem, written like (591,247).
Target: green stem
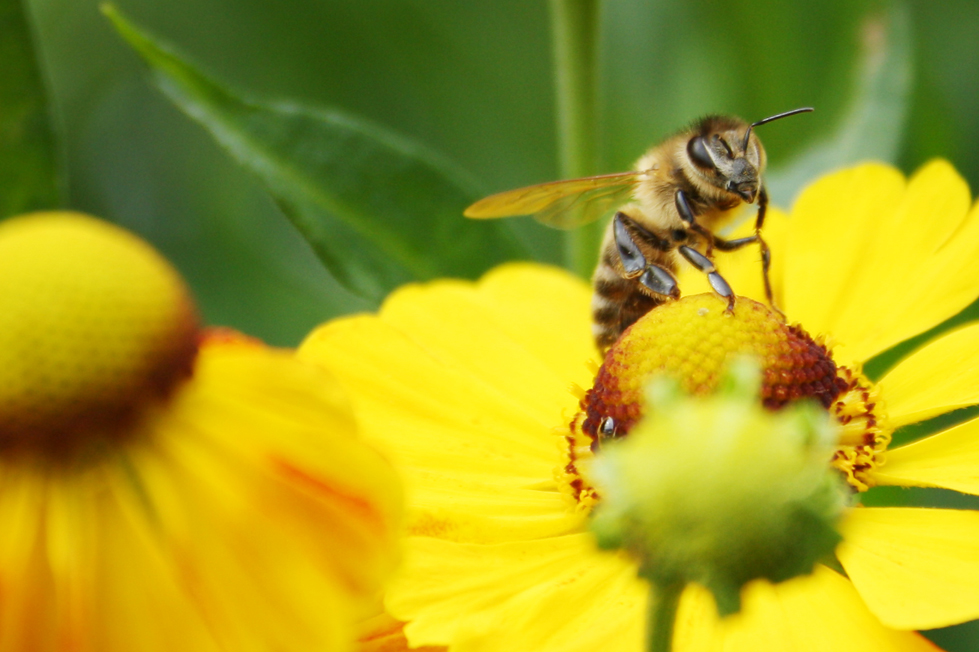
(575,32)
(663,603)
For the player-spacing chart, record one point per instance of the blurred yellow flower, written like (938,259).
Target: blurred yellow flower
(470,389)
(163,488)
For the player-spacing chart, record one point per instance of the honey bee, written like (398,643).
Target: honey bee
(682,191)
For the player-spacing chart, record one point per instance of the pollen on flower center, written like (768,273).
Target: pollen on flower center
(94,325)
(692,341)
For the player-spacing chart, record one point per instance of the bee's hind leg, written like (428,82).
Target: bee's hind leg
(704,264)
(654,279)
(659,280)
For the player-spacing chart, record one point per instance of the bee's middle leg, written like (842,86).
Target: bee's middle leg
(686,213)
(704,264)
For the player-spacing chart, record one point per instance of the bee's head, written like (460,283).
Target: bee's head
(726,153)
(728,156)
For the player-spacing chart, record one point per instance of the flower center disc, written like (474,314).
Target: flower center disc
(93,325)
(692,341)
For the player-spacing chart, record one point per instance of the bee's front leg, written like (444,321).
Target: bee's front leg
(766,261)
(766,253)
(717,282)
(686,214)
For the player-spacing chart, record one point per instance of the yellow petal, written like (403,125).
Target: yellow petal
(547,311)
(578,610)
(245,514)
(72,532)
(807,614)
(776,232)
(934,379)
(78,573)
(949,459)
(559,595)
(247,580)
(832,222)
(288,432)
(384,633)
(27,602)
(863,244)
(943,279)
(468,401)
(447,318)
(946,280)
(548,595)
(140,598)
(472,457)
(915,568)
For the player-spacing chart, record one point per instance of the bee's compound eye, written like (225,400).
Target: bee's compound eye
(697,150)
(607,427)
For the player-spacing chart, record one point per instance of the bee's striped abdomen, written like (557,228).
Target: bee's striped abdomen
(617,302)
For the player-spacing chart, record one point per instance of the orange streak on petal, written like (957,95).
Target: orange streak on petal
(350,502)
(385,634)
(213,335)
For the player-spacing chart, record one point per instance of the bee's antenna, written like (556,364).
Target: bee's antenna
(747,134)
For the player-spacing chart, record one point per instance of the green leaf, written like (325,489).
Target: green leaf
(29,170)
(873,125)
(378,209)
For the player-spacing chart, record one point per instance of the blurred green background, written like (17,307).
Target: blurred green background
(473,81)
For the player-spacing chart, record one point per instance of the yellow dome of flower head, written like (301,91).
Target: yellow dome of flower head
(164,488)
(478,393)
(92,324)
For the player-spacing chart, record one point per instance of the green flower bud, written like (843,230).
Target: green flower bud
(718,490)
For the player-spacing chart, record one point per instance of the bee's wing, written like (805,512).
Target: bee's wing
(562,204)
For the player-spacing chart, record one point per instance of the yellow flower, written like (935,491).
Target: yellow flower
(164,489)
(471,388)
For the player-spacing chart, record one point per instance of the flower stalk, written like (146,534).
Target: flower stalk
(575,28)
(663,603)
